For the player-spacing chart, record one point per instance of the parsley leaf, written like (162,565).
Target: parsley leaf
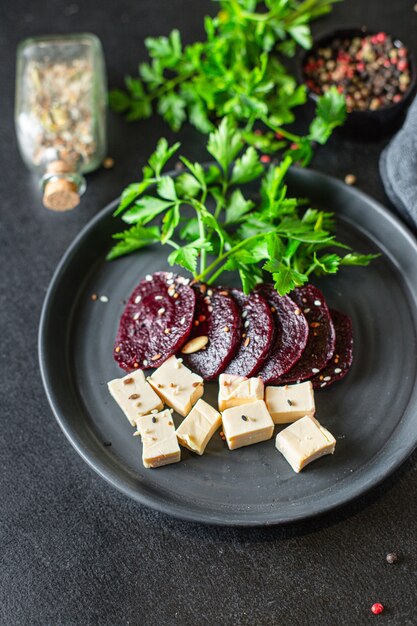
(161,156)
(224,143)
(186,185)
(166,188)
(237,207)
(330,112)
(145,209)
(354,258)
(187,256)
(247,167)
(169,223)
(328,263)
(172,109)
(285,277)
(133,239)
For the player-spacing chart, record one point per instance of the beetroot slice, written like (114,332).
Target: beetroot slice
(321,339)
(290,337)
(257,333)
(340,363)
(217,317)
(156,321)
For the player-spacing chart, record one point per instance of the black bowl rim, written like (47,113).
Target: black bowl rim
(361,31)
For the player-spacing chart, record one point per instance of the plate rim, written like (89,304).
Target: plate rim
(182,512)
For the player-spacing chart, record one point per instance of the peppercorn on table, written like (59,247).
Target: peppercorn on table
(74,550)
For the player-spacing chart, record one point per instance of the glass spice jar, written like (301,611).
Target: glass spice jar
(60,113)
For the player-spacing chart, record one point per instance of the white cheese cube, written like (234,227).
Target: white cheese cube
(246,424)
(237,390)
(159,441)
(134,395)
(304,441)
(289,403)
(198,427)
(178,387)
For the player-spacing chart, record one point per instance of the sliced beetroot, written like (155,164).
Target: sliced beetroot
(321,339)
(341,361)
(257,333)
(216,317)
(290,336)
(156,321)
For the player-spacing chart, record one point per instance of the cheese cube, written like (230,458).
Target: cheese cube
(304,441)
(159,441)
(178,387)
(198,427)
(246,424)
(236,390)
(289,403)
(134,395)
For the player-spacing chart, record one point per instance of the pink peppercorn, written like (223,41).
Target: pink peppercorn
(377,608)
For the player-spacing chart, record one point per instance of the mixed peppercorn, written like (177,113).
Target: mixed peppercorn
(371,70)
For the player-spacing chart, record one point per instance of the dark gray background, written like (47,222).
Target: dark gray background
(72,549)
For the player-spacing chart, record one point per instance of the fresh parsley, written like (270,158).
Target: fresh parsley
(255,234)
(237,72)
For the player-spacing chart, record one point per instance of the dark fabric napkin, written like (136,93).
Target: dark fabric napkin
(398,167)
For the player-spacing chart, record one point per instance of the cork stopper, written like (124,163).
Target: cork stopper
(60,194)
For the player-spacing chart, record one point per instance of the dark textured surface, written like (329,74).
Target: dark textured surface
(72,549)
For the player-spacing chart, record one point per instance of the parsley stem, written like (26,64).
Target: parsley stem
(257,17)
(216,274)
(313,8)
(169,85)
(223,256)
(278,129)
(311,269)
(172,244)
(219,207)
(202,236)
(202,231)
(250,123)
(221,202)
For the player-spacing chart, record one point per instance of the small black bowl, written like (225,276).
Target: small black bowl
(367,123)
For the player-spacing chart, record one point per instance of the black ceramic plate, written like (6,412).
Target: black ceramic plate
(372,413)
